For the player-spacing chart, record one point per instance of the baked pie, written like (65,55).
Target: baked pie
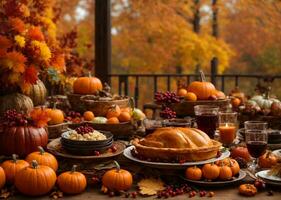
(171,144)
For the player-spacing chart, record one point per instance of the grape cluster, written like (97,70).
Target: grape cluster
(74,117)
(84,129)
(166,97)
(168,113)
(14,118)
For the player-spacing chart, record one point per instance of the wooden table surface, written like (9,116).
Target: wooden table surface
(223,193)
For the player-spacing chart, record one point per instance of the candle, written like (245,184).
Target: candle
(227,133)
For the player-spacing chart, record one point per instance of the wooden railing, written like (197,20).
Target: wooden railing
(126,81)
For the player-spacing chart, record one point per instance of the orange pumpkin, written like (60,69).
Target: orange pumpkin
(2,178)
(43,158)
(56,116)
(87,85)
(112,120)
(72,182)
(124,117)
(88,115)
(267,160)
(193,173)
(210,171)
(190,96)
(219,94)
(202,89)
(241,152)
(113,111)
(234,166)
(35,180)
(11,167)
(247,190)
(235,102)
(225,173)
(117,179)
(182,92)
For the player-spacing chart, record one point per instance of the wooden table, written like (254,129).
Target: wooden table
(229,193)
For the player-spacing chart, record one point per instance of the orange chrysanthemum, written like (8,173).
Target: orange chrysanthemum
(5,43)
(40,117)
(34,33)
(30,75)
(16,24)
(14,61)
(58,62)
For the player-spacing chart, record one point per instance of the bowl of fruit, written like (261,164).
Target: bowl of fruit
(85,140)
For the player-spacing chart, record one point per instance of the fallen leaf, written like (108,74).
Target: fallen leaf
(150,186)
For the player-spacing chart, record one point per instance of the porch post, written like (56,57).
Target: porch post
(103,40)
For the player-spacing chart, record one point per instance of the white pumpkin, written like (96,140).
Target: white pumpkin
(264,103)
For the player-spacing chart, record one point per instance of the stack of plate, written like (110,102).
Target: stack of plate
(273,180)
(86,147)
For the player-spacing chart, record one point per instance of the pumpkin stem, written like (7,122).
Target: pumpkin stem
(132,103)
(74,167)
(267,93)
(90,74)
(202,76)
(14,156)
(34,164)
(117,165)
(41,150)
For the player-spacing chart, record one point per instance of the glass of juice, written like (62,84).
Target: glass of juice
(207,118)
(227,127)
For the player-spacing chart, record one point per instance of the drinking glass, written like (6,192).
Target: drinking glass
(255,125)
(207,118)
(227,127)
(256,141)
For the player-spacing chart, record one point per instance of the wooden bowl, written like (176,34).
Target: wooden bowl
(76,103)
(186,108)
(55,131)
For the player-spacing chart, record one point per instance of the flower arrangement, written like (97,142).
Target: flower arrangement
(28,43)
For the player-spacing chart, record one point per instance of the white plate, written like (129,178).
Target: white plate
(264,175)
(277,152)
(127,154)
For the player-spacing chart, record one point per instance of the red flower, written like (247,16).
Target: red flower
(16,24)
(30,75)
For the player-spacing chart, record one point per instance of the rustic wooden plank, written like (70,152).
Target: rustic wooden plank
(103,39)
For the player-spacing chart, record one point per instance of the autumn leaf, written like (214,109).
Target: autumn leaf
(40,117)
(150,186)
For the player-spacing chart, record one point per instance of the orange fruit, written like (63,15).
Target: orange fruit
(124,117)
(182,92)
(88,115)
(235,102)
(113,111)
(113,120)
(190,96)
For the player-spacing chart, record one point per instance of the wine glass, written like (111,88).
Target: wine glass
(255,125)
(256,141)
(227,127)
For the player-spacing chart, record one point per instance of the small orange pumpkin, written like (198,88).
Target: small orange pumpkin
(43,158)
(113,111)
(117,179)
(247,190)
(190,96)
(113,120)
(193,173)
(88,116)
(35,180)
(210,171)
(234,166)
(2,178)
(72,182)
(235,102)
(11,167)
(87,85)
(124,117)
(267,160)
(56,115)
(225,173)
(202,89)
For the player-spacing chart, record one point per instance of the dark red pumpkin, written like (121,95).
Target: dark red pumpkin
(22,140)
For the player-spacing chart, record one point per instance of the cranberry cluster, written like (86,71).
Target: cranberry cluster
(168,113)
(174,190)
(84,129)
(14,118)
(166,97)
